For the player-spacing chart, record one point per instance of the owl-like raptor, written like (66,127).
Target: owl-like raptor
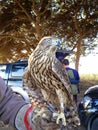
(49,75)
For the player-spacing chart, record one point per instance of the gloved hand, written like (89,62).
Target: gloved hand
(23,118)
(35,118)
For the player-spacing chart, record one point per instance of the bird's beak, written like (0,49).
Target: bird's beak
(58,43)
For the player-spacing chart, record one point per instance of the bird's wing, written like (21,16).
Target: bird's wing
(28,79)
(59,70)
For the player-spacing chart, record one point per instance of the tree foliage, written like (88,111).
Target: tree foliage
(24,22)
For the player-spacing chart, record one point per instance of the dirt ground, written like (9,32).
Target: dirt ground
(84,85)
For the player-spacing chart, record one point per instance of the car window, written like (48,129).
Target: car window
(17,70)
(14,83)
(3,71)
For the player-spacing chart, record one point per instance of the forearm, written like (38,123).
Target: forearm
(10,103)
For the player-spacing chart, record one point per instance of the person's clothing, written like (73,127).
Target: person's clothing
(75,98)
(10,104)
(74,79)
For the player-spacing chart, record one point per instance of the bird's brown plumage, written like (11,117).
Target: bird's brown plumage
(49,75)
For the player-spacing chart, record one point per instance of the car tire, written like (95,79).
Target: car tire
(93,124)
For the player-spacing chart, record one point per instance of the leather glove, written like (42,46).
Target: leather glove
(35,118)
(23,118)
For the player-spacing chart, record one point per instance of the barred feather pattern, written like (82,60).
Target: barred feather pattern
(50,77)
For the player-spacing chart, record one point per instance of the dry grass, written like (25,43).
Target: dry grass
(87,80)
(93,77)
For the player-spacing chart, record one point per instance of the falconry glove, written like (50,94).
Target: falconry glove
(23,118)
(34,118)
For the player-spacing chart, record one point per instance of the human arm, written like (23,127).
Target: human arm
(9,103)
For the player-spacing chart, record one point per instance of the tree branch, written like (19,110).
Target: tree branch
(28,16)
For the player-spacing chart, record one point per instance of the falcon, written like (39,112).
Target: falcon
(49,75)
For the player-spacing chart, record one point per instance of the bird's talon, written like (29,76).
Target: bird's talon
(62,117)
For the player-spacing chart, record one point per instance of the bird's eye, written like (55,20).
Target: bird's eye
(48,40)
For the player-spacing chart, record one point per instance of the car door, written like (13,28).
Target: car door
(16,73)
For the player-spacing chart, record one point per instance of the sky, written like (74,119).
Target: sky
(88,64)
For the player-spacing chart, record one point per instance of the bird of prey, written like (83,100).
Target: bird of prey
(50,77)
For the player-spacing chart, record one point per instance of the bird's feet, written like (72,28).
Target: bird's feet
(60,116)
(42,112)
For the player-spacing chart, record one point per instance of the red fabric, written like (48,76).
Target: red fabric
(28,127)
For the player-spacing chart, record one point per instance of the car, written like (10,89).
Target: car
(62,53)
(88,108)
(12,75)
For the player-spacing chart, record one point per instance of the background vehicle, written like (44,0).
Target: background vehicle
(12,73)
(88,109)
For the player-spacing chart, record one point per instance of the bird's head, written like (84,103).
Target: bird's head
(49,42)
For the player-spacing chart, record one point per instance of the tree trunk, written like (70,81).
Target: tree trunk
(38,32)
(78,53)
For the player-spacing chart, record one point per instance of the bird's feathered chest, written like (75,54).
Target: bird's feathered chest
(41,68)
